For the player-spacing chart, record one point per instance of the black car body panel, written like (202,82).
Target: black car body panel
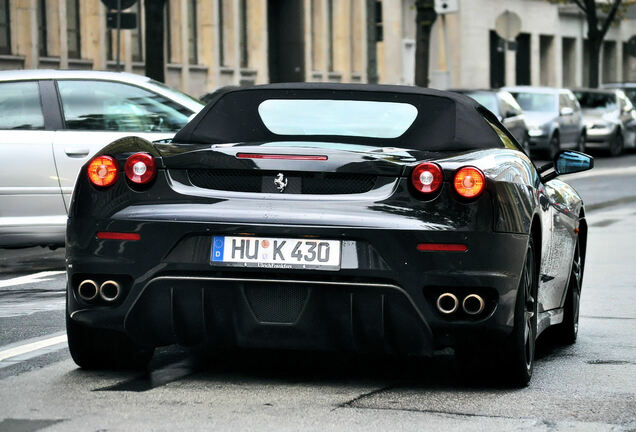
(382,298)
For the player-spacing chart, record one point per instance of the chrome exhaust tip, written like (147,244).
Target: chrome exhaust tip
(473,304)
(447,303)
(109,291)
(88,290)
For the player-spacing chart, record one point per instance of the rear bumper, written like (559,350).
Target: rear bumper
(382,299)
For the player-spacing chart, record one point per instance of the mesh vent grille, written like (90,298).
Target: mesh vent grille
(298,182)
(276,304)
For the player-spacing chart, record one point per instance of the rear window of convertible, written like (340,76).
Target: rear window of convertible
(371,119)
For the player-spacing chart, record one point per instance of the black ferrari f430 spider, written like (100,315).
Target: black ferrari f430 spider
(326,217)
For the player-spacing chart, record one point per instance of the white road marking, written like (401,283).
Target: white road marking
(594,172)
(32,278)
(33,347)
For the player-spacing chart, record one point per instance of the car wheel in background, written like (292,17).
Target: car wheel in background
(518,354)
(526,144)
(567,331)
(616,145)
(104,349)
(580,146)
(554,146)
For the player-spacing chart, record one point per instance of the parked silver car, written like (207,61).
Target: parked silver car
(503,105)
(52,122)
(610,119)
(629,88)
(553,117)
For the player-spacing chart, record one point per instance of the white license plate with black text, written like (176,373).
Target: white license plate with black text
(282,253)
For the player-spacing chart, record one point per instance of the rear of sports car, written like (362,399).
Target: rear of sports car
(308,245)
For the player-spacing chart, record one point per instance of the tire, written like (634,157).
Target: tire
(568,330)
(617,145)
(104,349)
(580,146)
(518,361)
(526,144)
(554,146)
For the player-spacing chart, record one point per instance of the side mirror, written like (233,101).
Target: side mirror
(566,162)
(566,111)
(569,161)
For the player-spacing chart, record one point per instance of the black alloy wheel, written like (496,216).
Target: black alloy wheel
(554,146)
(617,144)
(568,330)
(519,359)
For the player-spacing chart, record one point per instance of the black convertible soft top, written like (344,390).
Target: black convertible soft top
(445,121)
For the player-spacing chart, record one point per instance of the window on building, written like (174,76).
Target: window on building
(168,32)
(42,36)
(330,35)
(136,40)
(20,106)
(109,45)
(192,32)
(73,28)
(5,28)
(379,27)
(244,41)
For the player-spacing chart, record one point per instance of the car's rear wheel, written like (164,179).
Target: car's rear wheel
(104,349)
(554,146)
(617,145)
(519,352)
(568,330)
(580,146)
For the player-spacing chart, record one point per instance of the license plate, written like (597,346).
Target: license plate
(279,253)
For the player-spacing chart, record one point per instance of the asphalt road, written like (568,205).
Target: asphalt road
(588,386)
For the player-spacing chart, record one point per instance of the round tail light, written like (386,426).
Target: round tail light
(427,177)
(102,171)
(469,182)
(140,168)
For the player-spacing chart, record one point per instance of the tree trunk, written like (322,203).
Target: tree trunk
(424,20)
(594,53)
(154,25)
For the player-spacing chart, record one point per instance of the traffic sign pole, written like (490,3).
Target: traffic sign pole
(118,67)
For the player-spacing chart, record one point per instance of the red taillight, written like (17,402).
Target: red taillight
(102,171)
(469,182)
(106,235)
(427,177)
(441,247)
(140,168)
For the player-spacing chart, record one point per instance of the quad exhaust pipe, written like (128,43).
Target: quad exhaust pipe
(473,304)
(109,291)
(447,303)
(88,290)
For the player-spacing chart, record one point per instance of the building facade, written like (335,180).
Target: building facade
(212,43)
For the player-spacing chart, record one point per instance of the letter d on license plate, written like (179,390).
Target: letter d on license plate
(281,253)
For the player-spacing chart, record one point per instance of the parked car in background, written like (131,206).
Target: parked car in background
(610,119)
(629,88)
(553,117)
(54,121)
(502,104)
